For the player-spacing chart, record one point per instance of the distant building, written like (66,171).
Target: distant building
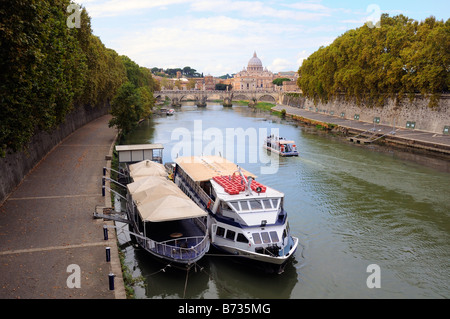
(210,83)
(254,77)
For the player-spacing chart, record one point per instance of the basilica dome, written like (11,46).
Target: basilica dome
(255,64)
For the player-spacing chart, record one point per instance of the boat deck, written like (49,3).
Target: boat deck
(176,239)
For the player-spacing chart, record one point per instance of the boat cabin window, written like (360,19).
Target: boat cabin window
(230,234)
(234,205)
(255,204)
(252,204)
(274,236)
(256,238)
(267,203)
(244,205)
(265,237)
(220,231)
(241,238)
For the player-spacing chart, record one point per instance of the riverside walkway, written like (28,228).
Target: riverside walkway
(47,229)
(407,137)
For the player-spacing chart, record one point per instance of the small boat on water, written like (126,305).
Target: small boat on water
(281,146)
(170,112)
(246,219)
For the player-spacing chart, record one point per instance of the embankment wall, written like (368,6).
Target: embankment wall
(416,111)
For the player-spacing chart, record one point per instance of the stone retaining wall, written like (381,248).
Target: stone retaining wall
(415,114)
(15,166)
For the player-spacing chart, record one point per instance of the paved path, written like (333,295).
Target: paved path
(46,224)
(409,137)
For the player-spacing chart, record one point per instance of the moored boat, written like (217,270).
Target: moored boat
(165,222)
(162,219)
(246,219)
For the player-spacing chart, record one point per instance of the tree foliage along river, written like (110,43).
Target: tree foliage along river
(48,69)
(401,58)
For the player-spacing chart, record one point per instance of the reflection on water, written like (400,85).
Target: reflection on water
(350,206)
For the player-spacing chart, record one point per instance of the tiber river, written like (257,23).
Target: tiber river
(364,215)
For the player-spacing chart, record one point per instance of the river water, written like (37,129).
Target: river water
(352,207)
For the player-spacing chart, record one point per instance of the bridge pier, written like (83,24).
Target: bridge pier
(175,102)
(227,102)
(201,101)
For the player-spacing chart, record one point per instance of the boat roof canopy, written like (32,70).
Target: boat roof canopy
(160,200)
(145,169)
(204,168)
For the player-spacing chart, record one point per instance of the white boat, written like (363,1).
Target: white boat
(246,219)
(281,146)
(170,112)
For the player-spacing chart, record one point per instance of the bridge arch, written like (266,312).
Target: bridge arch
(186,97)
(267,98)
(240,96)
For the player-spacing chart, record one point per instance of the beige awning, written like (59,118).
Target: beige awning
(151,188)
(158,199)
(204,168)
(146,168)
(168,208)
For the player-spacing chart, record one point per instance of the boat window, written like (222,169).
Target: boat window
(230,234)
(267,204)
(234,205)
(275,202)
(256,238)
(274,236)
(255,204)
(265,237)
(244,205)
(241,238)
(220,231)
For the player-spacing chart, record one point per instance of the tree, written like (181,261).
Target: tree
(126,108)
(369,65)
(279,81)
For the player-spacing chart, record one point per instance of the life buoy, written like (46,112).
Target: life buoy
(208,205)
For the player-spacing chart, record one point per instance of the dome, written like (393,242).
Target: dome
(255,62)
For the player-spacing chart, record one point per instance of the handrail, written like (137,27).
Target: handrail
(166,248)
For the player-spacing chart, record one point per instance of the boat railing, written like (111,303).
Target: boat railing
(181,248)
(197,193)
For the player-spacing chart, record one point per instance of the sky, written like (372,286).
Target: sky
(217,37)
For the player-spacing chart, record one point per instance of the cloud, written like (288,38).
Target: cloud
(254,9)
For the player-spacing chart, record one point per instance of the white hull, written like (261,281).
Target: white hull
(234,251)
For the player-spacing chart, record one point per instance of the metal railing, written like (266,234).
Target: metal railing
(185,248)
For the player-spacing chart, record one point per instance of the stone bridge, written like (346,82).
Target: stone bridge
(200,97)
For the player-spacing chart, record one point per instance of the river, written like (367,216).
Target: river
(352,207)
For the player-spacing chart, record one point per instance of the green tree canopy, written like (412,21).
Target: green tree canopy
(279,81)
(402,57)
(47,69)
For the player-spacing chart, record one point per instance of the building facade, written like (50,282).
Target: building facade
(254,77)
